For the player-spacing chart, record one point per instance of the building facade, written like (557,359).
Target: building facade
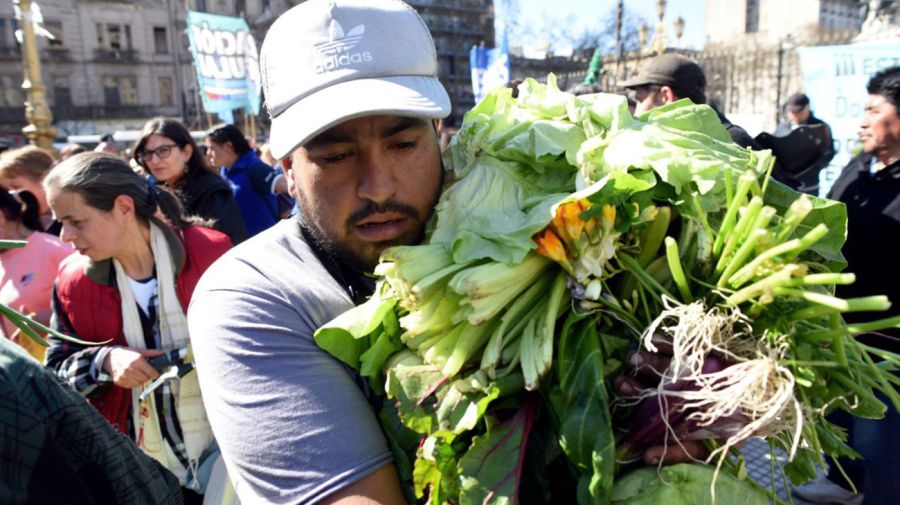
(115,63)
(769,22)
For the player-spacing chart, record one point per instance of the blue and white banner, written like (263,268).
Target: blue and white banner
(227,63)
(834,78)
(490,68)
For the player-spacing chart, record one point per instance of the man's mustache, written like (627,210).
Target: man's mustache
(372,208)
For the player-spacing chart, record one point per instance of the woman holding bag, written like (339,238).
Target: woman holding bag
(131,284)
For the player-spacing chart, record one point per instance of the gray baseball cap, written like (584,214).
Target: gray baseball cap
(671,69)
(324,62)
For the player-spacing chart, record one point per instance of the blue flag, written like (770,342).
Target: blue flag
(490,68)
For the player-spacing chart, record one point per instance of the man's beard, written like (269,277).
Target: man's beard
(363,257)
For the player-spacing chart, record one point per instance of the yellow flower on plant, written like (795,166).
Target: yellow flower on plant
(571,217)
(609,217)
(550,246)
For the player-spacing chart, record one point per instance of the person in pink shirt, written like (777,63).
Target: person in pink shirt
(27,273)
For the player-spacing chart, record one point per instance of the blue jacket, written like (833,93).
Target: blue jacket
(251,180)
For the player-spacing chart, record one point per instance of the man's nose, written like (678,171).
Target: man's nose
(377,180)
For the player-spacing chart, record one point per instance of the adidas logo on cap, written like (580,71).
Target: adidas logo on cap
(336,49)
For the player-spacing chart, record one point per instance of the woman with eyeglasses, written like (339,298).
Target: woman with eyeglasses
(167,152)
(128,290)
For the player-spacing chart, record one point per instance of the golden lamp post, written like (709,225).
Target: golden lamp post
(37,113)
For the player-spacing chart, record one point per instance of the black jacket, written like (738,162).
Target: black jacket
(209,196)
(807,180)
(873,223)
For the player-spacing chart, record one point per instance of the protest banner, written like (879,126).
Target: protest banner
(227,63)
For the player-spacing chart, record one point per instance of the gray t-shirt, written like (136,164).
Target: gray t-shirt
(292,424)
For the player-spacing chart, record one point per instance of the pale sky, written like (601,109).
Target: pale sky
(591,11)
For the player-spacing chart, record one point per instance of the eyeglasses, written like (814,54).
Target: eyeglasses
(161,152)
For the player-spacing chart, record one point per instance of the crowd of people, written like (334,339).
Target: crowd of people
(134,256)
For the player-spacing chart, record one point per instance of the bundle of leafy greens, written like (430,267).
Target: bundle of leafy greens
(572,234)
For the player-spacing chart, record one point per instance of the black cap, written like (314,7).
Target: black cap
(797,102)
(107,138)
(671,69)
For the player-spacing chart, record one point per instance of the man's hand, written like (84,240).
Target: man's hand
(129,368)
(648,367)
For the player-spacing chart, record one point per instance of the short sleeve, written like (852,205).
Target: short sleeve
(292,424)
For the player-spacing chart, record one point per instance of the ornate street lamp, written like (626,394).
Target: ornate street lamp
(37,113)
(658,43)
(679,29)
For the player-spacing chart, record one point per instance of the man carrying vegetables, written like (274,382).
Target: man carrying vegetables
(352,89)
(353,93)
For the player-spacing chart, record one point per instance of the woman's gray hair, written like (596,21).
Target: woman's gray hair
(101,178)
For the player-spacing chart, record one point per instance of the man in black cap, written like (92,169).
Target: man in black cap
(798,114)
(670,77)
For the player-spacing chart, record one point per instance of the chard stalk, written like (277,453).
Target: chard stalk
(795,215)
(652,236)
(677,271)
(558,296)
(470,341)
(838,341)
(740,256)
(750,240)
(878,374)
(777,279)
(787,249)
(734,203)
(824,279)
(864,303)
(515,315)
(751,210)
(853,329)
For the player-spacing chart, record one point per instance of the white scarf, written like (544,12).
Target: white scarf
(173,331)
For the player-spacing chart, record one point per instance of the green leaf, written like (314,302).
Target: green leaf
(414,387)
(489,471)
(683,484)
(830,212)
(403,443)
(342,337)
(436,473)
(580,406)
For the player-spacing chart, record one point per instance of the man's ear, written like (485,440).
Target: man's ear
(668,95)
(287,167)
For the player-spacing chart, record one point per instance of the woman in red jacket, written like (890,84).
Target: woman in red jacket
(129,289)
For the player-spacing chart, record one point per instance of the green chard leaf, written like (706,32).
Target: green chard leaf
(490,470)
(580,406)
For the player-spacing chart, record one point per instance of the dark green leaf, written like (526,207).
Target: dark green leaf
(491,468)
(580,404)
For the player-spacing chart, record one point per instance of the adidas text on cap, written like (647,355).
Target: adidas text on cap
(324,62)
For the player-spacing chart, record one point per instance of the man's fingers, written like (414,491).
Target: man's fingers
(628,386)
(687,451)
(648,363)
